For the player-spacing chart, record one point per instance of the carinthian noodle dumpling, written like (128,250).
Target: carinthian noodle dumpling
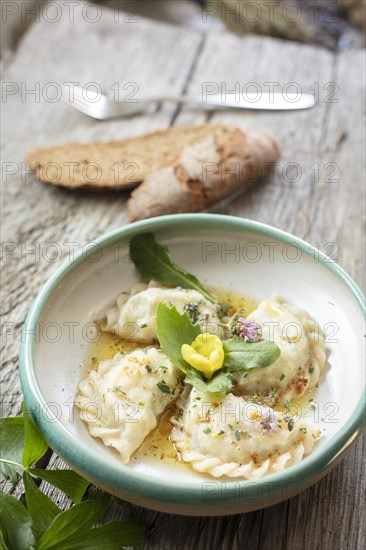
(134,315)
(122,399)
(230,436)
(302,356)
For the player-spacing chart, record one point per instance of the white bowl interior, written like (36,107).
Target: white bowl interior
(252,264)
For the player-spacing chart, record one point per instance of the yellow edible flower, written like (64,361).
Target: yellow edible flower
(206,354)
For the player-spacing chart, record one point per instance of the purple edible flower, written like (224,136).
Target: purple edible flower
(268,422)
(248,330)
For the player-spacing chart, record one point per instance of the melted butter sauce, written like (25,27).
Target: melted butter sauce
(157,445)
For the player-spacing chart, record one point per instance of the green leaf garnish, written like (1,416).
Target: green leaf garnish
(79,517)
(241,355)
(68,481)
(112,536)
(15,524)
(44,526)
(35,445)
(174,330)
(12,444)
(41,508)
(220,383)
(152,261)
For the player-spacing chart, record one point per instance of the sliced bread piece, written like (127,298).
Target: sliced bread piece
(122,163)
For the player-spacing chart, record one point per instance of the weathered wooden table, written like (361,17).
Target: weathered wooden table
(317,193)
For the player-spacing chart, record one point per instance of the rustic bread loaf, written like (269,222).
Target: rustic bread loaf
(219,162)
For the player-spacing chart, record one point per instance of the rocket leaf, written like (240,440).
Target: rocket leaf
(152,261)
(241,355)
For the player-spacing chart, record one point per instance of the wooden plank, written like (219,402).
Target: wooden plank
(155,56)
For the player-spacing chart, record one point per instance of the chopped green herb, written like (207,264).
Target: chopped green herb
(310,400)
(94,360)
(180,412)
(311,370)
(303,430)
(144,325)
(163,387)
(163,367)
(148,368)
(192,310)
(207,430)
(282,377)
(119,389)
(287,406)
(237,435)
(221,432)
(290,425)
(230,426)
(141,404)
(223,310)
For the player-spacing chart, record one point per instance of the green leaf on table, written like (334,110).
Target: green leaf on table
(112,536)
(74,521)
(152,261)
(11,448)
(241,355)
(3,544)
(35,445)
(15,524)
(175,329)
(41,508)
(67,481)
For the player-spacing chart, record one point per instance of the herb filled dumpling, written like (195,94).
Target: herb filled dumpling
(134,316)
(230,436)
(122,399)
(302,357)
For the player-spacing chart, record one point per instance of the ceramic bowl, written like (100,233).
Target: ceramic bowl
(221,251)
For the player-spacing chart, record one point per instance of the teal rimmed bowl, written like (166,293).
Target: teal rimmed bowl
(222,251)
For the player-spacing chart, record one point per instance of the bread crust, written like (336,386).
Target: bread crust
(205,173)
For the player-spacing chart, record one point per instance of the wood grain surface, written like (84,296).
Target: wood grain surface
(317,192)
